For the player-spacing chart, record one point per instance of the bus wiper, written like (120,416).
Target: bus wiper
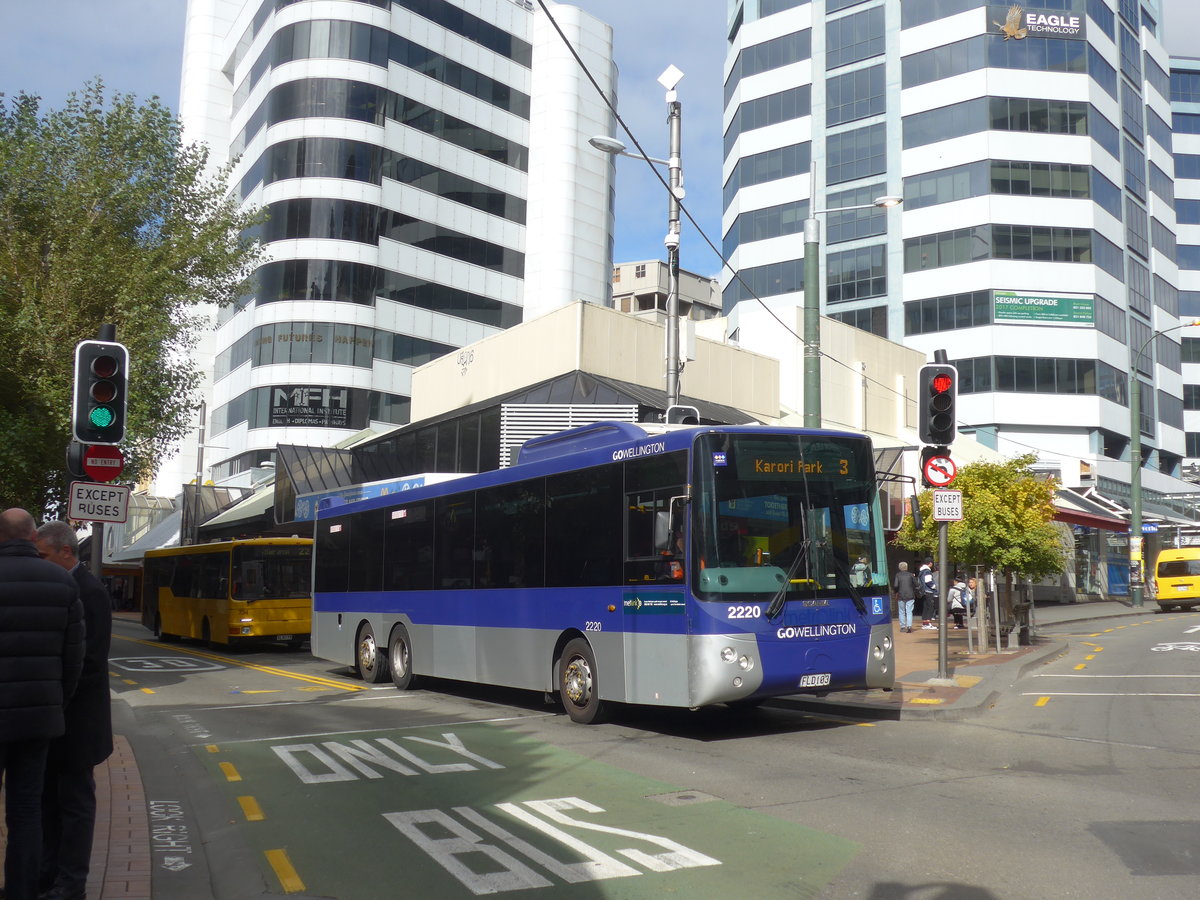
(859,603)
(780,598)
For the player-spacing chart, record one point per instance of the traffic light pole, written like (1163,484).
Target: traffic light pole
(943,590)
(108,333)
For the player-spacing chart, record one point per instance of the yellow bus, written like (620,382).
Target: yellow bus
(230,592)
(1177,578)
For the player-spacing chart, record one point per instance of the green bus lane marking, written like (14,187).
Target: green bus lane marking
(467,810)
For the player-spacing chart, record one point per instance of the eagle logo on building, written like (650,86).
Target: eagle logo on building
(1012,24)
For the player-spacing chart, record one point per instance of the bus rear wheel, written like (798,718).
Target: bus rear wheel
(369,662)
(577,684)
(400,660)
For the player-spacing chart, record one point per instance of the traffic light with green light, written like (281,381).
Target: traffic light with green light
(101,392)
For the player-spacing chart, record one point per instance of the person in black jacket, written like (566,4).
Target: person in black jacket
(69,794)
(905,586)
(41,653)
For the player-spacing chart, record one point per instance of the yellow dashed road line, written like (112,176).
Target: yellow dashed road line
(284,871)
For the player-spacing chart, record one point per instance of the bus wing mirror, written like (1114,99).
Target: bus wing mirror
(662,530)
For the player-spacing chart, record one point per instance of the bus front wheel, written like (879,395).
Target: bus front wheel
(160,635)
(369,662)
(400,660)
(577,684)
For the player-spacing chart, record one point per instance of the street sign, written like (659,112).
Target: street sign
(103,462)
(1149,528)
(98,502)
(947,506)
(940,471)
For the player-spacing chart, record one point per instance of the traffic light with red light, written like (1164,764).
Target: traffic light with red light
(938,390)
(101,392)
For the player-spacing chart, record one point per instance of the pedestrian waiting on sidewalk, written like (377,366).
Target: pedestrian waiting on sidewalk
(41,654)
(69,794)
(927,582)
(956,601)
(905,587)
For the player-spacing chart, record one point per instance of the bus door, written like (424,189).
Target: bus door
(654,599)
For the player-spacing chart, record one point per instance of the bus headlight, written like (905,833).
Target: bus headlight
(887,642)
(746,663)
(877,652)
(728,655)
(246,629)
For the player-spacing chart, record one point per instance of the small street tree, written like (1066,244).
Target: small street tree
(1007,524)
(106,215)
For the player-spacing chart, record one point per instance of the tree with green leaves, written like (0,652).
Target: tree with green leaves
(106,216)
(1007,524)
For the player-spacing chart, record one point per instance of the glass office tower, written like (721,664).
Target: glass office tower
(1037,239)
(390,143)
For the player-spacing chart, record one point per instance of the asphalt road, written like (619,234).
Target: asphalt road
(271,773)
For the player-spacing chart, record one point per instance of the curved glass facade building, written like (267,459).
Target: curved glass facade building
(390,143)
(1037,239)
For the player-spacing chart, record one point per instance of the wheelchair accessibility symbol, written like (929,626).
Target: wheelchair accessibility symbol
(877,606)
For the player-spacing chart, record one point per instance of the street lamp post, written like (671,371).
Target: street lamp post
(1136,577)
(669,80)
(812,296)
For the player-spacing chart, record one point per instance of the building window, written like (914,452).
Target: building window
(763,224)
(617,275)
(856,154)
(1191,399)
(639,271)
(1137,228)
(794,103)
(1135,170)
(770,165)
(1138,283)
(856,274)
(914,14)
(1131,56)
(858,223)
(1189,349)
(854,37)
(948,313)
(855,95)
(772,54)
(873,319)
(1185,86)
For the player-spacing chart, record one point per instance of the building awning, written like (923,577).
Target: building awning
(1074,509)
(164,534)
(250,507)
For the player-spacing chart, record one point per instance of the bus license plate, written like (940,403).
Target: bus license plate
(283,637)
(821,680)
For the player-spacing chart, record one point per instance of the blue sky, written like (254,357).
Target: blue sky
(51,47)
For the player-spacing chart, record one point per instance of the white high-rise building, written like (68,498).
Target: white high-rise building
(1036,242)
(1185,103)
(391,143)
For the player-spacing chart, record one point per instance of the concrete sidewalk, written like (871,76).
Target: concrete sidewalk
(974,678)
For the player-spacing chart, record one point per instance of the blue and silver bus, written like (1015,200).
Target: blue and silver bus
(665,565)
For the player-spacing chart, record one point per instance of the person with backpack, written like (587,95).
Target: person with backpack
(929,595)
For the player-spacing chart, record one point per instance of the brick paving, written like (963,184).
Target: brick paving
(120,867)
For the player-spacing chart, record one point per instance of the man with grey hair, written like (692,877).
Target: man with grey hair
(69,796)
(905,586)
(41,652)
